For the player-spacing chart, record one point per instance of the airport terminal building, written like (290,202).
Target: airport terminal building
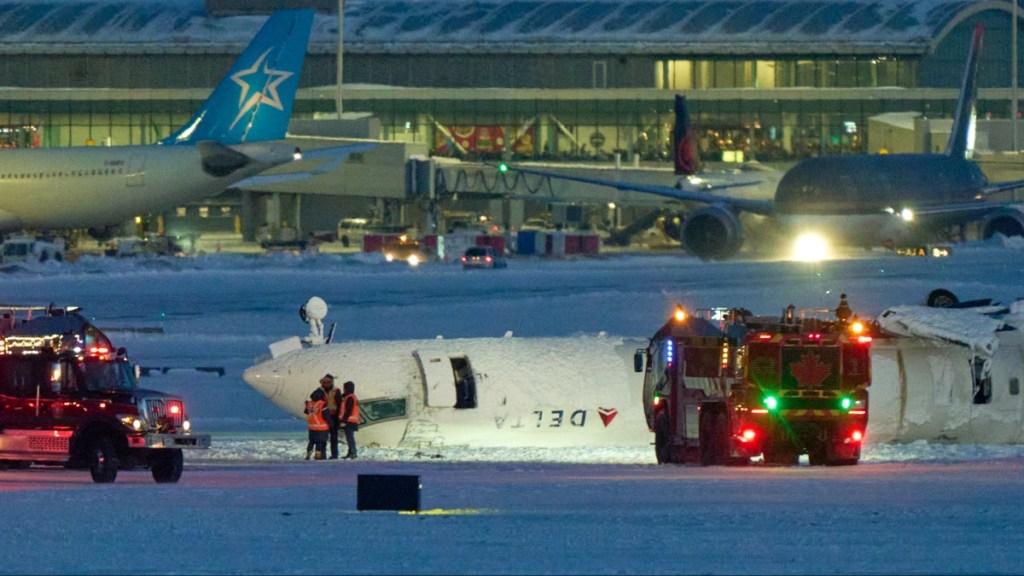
(772,80)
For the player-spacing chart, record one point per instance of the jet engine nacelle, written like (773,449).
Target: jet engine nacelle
(712,233)
(1006,221)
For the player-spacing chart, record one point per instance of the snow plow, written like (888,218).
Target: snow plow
(723,386)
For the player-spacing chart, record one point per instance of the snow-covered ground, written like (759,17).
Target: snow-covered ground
(250,505)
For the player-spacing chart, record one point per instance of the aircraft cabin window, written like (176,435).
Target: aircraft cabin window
(379,410)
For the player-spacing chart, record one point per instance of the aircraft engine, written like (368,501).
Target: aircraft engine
(712,233)
(1006,221)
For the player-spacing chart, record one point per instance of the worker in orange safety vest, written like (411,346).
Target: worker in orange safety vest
(348,418)
(316,417)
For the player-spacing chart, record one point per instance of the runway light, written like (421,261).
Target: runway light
(810,247)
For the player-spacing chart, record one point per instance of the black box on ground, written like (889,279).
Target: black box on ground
(388,492)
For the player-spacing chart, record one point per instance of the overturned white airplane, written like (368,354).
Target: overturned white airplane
(942,375)
(949,375)
(479,392)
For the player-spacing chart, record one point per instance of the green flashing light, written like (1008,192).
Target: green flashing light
(771,402)
(502,167)
(846,403)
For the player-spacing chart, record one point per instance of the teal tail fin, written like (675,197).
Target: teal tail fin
(254,100)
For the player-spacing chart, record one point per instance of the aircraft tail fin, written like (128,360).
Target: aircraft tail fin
(254,100)
(684,146)
(961,136)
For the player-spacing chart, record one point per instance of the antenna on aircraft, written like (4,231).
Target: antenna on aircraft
(313,313)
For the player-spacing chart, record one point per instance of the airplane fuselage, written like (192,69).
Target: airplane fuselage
(860,198)
(96,186)
(542,392)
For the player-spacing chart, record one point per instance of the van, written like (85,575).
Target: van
(31,249)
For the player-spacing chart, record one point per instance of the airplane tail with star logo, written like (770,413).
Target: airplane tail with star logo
(254,100)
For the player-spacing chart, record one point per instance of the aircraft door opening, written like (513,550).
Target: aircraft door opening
(448,381)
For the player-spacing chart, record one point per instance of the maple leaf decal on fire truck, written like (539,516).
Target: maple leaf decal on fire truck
(810,372)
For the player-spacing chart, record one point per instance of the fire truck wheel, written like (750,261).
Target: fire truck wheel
(167,465)
(103,460)
(662,450)
(714,440)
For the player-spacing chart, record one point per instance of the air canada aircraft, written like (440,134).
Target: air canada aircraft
(939,374)
(237,133)
(857,200)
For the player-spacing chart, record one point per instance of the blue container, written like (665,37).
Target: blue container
(529,241)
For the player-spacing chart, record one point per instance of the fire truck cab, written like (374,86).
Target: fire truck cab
(68,398)
(723,386)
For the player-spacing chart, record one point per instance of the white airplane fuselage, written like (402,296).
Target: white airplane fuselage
(543,392)
(96,186)
(556,392)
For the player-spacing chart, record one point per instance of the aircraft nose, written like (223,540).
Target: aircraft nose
(262,379)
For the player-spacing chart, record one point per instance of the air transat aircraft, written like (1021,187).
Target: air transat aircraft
(859,200)
(237,133)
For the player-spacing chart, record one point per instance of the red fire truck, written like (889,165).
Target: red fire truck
(723,386)
(68,398)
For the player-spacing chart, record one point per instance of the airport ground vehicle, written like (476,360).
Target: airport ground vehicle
(482,257)
(68,398)
(31,249)
(724,386)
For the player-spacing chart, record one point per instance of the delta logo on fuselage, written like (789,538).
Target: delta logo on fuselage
(556,418)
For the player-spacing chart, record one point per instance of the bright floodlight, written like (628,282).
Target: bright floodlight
(907,215)
(810,247)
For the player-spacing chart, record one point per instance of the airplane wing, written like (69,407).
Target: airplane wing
(329,159)
(700,193)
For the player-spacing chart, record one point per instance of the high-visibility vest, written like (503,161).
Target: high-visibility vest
(315,415)
(353,416)
(333,403)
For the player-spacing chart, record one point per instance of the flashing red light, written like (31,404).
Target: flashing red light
(175,409)
(748,434)
(856,436)
(98,350)
(487,259)
(463,258)
(814,336)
